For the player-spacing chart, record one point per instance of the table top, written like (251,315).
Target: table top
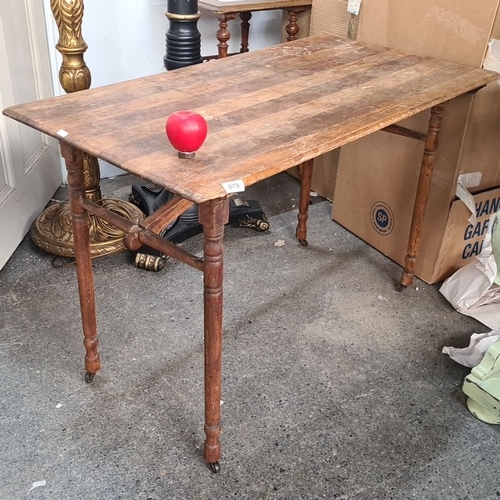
(232,6)
(266,110)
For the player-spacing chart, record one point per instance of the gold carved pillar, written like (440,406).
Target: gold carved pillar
(52,230)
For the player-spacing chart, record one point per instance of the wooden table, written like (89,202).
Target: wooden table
(267,111)
(227,10)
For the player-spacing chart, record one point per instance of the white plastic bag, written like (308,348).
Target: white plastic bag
(472,355)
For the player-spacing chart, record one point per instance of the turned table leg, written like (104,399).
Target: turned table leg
(213,215)
(223,35)
(305,170)
(74,164)
(245,30)
(292,28)
(423,187)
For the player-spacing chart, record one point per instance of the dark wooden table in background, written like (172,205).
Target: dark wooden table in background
(267,111)
(226,11)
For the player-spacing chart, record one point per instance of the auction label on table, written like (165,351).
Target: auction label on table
(234,186)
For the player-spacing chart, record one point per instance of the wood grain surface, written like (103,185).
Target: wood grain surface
(217,7)
(267,110)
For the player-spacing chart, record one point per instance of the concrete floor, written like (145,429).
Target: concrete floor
(334,385)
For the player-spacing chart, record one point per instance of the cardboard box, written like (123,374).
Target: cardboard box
(389,165)
(463,238)
(330,17)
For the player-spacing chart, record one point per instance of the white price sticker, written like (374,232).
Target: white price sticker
(62,133)
(234,186)
(353,6)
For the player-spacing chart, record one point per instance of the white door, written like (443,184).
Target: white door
(30,166)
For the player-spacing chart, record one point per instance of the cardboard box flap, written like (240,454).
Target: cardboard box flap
(456,31)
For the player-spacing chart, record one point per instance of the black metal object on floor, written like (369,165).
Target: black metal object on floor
(149,198)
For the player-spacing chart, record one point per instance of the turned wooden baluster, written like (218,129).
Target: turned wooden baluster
(423,187)
(213,215)
(74,159)
(223,34)
(306,170)
(245,30)
(292,27)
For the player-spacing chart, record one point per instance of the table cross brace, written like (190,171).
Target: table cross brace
(405,132)
(138,235)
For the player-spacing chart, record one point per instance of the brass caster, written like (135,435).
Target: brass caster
(304,243)
(147,262)
(400,287)
(262,225)
(89,377)
(214,467)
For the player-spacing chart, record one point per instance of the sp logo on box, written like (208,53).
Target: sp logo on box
(382,218)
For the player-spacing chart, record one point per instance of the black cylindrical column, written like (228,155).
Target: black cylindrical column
(183,40)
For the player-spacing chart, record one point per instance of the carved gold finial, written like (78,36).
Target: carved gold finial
(73,74)
(68,15)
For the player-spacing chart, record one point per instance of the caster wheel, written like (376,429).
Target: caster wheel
(304,243)
(262,225)
(89,377)
(400,287)
(147,262)
(214,467)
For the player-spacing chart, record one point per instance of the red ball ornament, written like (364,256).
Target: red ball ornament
(187,131)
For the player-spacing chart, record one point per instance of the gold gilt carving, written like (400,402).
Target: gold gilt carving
(73,74)
(92,176)
(52,230)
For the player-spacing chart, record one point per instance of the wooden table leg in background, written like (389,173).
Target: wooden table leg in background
(292,28)
(423,187)
(74,164)
(305,170)
(223,34)
(213,215)
(245,30)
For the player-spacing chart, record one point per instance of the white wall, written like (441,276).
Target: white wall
(126,40)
